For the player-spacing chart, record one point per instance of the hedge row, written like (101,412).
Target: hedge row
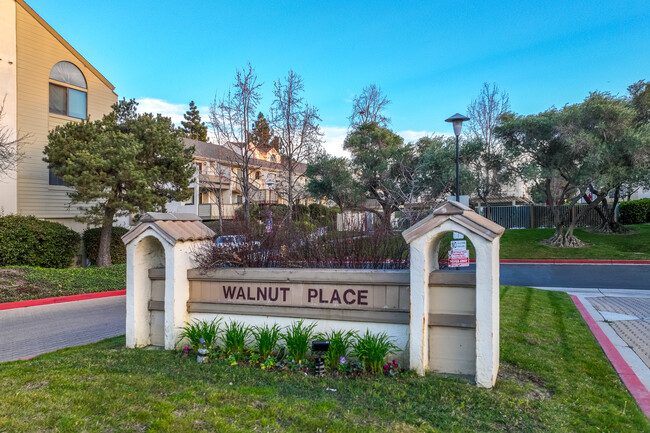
(635,212)
(29,241)
(317,214)
(118,249)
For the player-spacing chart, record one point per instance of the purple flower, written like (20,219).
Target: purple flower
(342,360)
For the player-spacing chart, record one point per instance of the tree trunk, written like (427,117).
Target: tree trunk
(609,224)
(104,254)
(562,239)
(220,208)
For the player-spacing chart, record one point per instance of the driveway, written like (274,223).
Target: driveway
(31,331)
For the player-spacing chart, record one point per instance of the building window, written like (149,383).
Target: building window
(190,200)
(56,180)
(257,175)
(272,158)
(68,93)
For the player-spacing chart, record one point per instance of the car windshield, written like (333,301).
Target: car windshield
(231,239)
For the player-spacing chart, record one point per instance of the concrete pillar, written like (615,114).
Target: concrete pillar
(424,240)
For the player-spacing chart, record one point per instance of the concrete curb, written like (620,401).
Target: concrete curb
(567,261)
(60,299)
(629,378)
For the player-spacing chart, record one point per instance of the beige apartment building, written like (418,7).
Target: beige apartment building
(215,176)
(44,82)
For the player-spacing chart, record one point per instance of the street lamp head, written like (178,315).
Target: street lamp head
(457,120)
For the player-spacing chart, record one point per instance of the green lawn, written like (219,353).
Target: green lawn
(525,244)
(554,377)
(23,283)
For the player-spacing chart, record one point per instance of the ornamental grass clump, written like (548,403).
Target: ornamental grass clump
(297,337)
(371,349)
(340,346)
(198,329)
(235,338)
(266,339)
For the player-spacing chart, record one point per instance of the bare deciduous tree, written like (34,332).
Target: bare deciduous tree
(231,118)
(369,107)
(489,164)
(295,123)
(10,145)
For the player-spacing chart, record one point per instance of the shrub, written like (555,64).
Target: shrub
(371,349)
(198,329)
(118,249)
(340,345)
(297,337)
(301,212)
(235,336)
(635,212)
(322,215)
(266,339)
(29,241)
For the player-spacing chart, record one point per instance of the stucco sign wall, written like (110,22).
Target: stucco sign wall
(314,289)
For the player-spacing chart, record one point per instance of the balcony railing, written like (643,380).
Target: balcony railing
(211,211)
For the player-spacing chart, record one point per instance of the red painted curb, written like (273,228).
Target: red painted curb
(569,261)
(630,379)
(60,299)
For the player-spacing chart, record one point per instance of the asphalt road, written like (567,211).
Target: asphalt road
(577,276)
(31,331)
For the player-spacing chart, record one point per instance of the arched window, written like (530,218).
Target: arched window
(67,90)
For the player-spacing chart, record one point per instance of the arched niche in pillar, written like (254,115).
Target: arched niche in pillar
(158,255)
(442,326)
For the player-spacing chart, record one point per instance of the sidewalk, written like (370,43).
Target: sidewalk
(620,321)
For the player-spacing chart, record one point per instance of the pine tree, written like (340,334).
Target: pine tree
(192,126)
(125,162)
(261,135)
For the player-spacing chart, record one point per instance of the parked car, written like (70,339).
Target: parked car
(234,241)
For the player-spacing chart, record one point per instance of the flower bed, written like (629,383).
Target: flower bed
(272,348)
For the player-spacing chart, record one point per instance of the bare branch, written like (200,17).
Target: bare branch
(296,125)
(231,119)
(10,145)
(369,107)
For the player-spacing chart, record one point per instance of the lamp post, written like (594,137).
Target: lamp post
(269,213)
(457,120)
(269,186)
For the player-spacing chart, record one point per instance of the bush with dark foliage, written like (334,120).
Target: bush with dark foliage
(635,212)
(29,241)
(118,249)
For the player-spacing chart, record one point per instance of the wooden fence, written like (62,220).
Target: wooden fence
(534,216)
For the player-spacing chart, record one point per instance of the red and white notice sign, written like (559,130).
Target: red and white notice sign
(458,258)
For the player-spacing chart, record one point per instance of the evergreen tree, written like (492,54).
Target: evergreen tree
(192,126)
(261,135)
(125,162)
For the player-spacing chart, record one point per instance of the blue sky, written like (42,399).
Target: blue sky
(430,58)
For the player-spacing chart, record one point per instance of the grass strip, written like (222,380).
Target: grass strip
(553,377)
(525,244)
(25,283)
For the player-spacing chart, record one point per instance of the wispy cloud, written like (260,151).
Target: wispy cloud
(413,136)
(168,109)
(333,139)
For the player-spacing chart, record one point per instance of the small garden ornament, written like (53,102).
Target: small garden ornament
(203,352)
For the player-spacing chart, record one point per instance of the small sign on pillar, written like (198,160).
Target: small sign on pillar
(458,259)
